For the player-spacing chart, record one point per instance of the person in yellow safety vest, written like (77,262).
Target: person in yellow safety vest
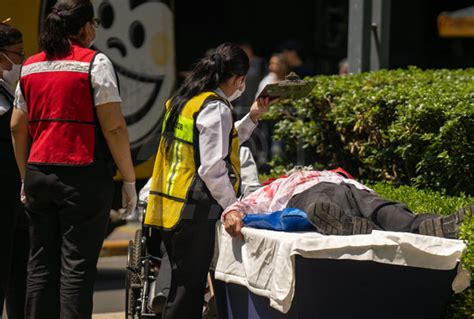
(197,170)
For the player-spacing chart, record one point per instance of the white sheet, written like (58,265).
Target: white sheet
(264,260)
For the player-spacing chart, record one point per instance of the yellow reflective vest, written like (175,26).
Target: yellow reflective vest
(176,185)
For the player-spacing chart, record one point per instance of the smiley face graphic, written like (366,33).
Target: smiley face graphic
(137,36)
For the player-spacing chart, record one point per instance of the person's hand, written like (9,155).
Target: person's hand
(233,223)
(22,192)
(129,198)
(259,107)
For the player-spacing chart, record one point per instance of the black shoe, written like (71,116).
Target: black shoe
(447,226)
(158,303)
(330,219)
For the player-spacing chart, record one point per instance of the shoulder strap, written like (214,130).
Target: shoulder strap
(216,97)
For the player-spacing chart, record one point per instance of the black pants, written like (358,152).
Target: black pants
(190,248)
(68,209)
(14,239)
(163,280)
(16,287)
(387,215)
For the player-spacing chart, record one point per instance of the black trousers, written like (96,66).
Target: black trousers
(387,215)
(190,247)
(14,239)
(68,210)
(16,286)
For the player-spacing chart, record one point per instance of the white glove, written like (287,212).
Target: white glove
(22,192)
(129,198)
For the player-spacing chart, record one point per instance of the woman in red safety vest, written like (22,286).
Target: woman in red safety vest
(68,129)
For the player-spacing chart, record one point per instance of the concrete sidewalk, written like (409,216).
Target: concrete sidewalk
(115,315)
(116,244)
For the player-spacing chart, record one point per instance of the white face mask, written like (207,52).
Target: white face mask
(11,76)
(237,92)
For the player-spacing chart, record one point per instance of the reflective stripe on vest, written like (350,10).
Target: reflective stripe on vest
(175,179)
(60,105)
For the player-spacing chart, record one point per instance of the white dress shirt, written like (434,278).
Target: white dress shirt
(104,83)
(214,124)
(248,171)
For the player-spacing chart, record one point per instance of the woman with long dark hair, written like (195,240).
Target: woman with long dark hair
(197,170)
(13,226)
(68,130)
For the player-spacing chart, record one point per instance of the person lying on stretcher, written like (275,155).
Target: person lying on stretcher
(339,205)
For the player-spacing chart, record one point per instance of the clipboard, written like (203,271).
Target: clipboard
(290,88)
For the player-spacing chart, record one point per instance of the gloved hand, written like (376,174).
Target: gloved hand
(22,192)
(129,198)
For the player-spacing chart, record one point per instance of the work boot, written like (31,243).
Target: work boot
(445,226)
(330,219)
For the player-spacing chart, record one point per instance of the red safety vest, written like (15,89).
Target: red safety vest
(61,111)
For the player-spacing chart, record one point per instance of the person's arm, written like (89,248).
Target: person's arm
(108,107)
(248,172)
(214,124)
(248,123)
(19,131)
(20,139)
(115,132)
(145,192)
(259,201)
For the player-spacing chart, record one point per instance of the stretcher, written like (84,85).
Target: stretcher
(273,274)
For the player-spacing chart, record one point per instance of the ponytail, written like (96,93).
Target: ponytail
(215,68)
(53,39)
(66,20)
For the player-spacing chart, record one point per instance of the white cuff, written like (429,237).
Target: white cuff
(245,127)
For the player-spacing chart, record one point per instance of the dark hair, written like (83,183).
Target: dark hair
(9,36)
(216,67)
(66,19)
(291,45)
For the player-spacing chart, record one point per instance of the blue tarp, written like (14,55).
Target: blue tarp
(289,219)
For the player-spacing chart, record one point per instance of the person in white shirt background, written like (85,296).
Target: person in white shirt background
(13,225)
(186,215)
(278,68)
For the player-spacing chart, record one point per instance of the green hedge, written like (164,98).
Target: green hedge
(409,126)
(422,201)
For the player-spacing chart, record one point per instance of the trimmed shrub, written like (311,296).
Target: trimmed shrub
(423,201)
(408,126)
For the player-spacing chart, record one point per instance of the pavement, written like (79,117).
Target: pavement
(118,315)
(109,289)
(116,244)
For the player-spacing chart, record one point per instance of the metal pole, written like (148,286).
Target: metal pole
(380,35)
(360,14)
